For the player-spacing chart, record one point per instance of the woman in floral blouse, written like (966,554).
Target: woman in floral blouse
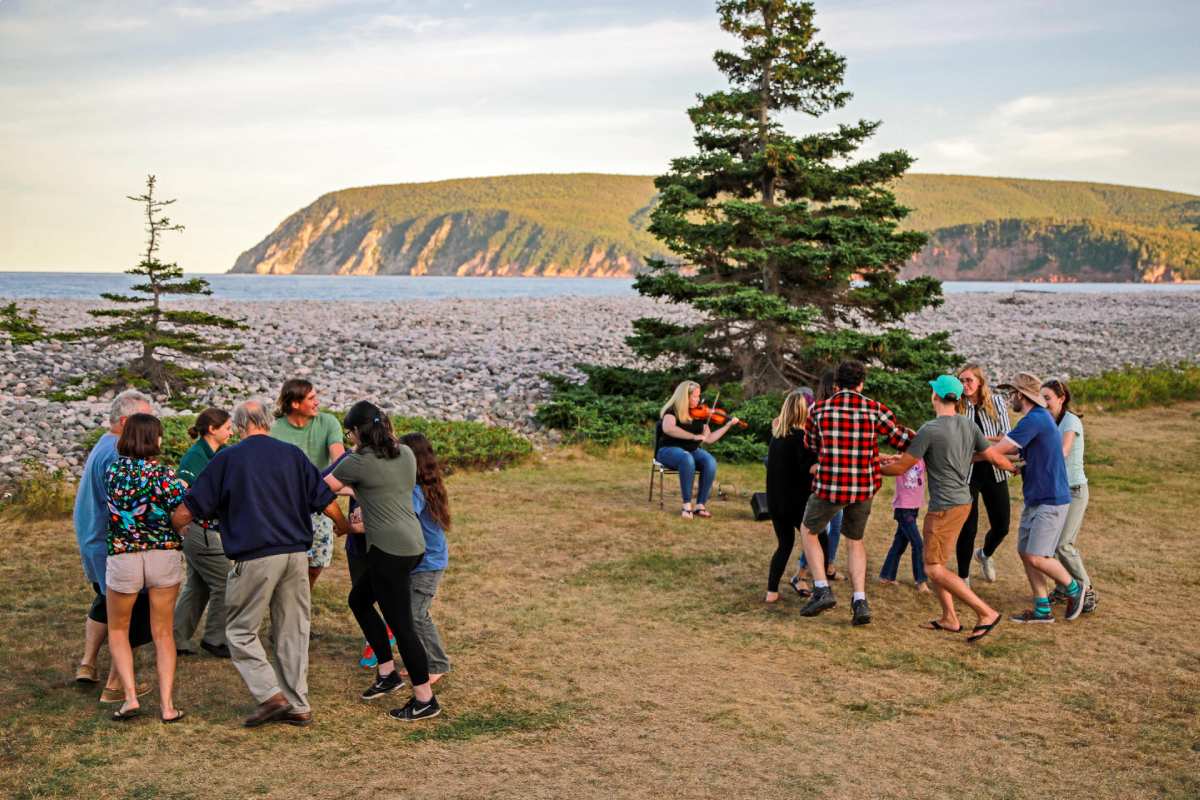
(144,552)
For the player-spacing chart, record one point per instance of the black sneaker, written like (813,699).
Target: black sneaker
(1075,604)
(414,710)
(862,612)
(1031,616)
(1089,601)
(1059,595)
(385,684)
(822,600)
(218,650)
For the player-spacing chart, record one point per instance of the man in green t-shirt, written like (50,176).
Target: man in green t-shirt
(299,420)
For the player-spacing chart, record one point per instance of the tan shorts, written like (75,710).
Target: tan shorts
(941,531)
(129,573)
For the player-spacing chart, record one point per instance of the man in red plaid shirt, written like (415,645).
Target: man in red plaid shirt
(844,430)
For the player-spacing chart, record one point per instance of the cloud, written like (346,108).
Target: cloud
(1136,134)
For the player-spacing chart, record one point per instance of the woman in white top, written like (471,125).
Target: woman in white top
(1058,403)
(990,412)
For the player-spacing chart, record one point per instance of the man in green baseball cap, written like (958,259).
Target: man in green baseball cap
(949,443)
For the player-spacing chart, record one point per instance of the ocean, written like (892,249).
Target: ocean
(89,285)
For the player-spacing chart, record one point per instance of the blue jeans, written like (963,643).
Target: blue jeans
(833,532)
(687,464)
(906,533)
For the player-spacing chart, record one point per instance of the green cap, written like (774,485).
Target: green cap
(947,387)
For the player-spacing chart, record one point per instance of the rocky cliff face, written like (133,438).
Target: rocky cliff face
(1056,251)
(594,225)
(494,242)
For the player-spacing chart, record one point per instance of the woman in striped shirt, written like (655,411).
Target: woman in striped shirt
(990,413)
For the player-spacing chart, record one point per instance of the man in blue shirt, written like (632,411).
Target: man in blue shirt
(264,492)
(91,533)
(1047,497)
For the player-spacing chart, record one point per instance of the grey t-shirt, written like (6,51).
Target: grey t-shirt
(384,488)
(948,445)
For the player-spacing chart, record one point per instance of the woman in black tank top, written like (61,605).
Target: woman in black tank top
(677,445)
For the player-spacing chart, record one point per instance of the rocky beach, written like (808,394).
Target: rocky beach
(483,359)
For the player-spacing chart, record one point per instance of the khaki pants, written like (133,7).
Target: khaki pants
(1067,552)
(278,583)
(207,568)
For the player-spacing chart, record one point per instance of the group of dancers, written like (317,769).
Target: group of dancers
(824,469)
(247,529)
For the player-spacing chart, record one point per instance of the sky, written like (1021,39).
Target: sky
(248,110)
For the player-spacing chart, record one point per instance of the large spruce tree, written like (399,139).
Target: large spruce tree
(787,245)
(141,319)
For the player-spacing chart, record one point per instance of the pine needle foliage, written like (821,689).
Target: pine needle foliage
(141,319)
(789,246)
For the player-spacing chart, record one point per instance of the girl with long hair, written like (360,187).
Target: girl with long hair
(382,472)
(677,445)
(1058,402)
(832,535)
(207,566)
(989,411)
(432,505)
(789,481)
(143,554)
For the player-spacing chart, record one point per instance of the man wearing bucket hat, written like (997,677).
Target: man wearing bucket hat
(949,443)
(1047,497)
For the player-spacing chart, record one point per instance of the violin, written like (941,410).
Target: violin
(713,415)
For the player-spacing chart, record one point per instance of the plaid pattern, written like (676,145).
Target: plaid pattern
(844,430)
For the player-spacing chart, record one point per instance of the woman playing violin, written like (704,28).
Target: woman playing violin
(677,440)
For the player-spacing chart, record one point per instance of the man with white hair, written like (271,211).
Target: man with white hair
(264,492)
(91,532)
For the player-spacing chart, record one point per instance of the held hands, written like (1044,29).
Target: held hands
(356,521)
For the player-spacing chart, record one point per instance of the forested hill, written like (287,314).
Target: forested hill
(594,225)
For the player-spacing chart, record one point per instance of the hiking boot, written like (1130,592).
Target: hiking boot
(415,710)
(1031,616)
(987,565)
(1075,605)
(862,612)
(217,650)
(384,684)
(822,600)
(1089,601)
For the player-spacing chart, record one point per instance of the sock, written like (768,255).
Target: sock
(1041,606)
(821,584)
(860,596)
(1073,588)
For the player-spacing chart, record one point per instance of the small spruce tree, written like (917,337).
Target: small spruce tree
(142,320)
(788,247)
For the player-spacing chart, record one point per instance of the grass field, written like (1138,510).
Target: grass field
(604,648)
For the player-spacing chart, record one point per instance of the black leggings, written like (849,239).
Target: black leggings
(386,582)
(996,501)
(785,533)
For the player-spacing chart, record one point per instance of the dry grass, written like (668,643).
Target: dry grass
(604,648)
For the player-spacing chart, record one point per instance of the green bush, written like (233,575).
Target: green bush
(1138,387)
(459,445)
(42,493)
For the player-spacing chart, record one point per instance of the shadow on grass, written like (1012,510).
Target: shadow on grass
(485,722)
(653,570)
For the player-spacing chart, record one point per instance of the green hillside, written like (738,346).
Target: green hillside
(942,201)
(593,224)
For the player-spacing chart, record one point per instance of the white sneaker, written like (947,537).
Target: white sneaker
(986,565)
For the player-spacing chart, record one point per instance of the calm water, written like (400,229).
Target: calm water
(88,286)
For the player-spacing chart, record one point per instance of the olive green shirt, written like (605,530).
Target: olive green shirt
(384,488)
(314,438)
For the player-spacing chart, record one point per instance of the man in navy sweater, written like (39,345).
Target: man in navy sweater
(264,492)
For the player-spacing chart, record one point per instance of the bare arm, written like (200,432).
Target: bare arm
(181,517)
(1068,443)
(898,465)
(671,428)
(998,459)
(334,512)
(716,435)
(335,451)
(337,487)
